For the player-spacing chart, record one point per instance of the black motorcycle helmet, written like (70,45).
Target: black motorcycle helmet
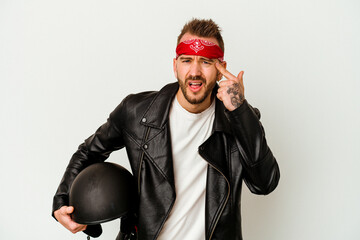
(102,192)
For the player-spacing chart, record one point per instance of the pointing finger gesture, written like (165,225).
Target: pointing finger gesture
(231,90)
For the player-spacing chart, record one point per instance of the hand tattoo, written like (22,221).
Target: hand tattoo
(237,98)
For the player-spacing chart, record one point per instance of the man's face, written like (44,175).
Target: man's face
(196,75)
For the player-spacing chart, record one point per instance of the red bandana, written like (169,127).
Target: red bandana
(200,48)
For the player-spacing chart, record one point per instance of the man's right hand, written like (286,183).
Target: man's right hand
(63,215)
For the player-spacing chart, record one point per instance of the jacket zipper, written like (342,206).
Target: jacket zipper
(223,207)
(141,159)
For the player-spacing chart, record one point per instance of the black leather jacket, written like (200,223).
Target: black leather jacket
(235,151)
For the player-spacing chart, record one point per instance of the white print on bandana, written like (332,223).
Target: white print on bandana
(207,43)
(196,44)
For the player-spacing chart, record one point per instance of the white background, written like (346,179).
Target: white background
(65,65)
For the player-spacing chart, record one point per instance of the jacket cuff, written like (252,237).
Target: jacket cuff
(58,202)
(237,113)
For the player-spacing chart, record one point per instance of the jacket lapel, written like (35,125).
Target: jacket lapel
(215,151)
(158,141)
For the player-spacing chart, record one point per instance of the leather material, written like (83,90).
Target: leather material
(236,151)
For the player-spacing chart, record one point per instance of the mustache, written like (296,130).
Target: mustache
(196,78)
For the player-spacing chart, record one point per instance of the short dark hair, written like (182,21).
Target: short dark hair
(203,28)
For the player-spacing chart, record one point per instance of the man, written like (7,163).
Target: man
(190,146)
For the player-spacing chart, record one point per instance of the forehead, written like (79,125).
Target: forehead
(188,36)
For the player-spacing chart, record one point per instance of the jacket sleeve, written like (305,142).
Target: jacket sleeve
(96,148)
(261,171)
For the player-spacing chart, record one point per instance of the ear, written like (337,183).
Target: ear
(174,67)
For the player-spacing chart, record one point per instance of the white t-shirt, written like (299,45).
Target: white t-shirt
(188,132)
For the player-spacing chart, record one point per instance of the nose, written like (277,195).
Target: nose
(195,69)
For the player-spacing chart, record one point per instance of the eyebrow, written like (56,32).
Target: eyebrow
(184,57)
(191,58)
(207,59)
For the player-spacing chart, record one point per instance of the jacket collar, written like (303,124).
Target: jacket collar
(157,114)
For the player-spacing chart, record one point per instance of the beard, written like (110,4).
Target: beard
(196,98)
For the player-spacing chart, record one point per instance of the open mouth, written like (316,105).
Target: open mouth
(195,86)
